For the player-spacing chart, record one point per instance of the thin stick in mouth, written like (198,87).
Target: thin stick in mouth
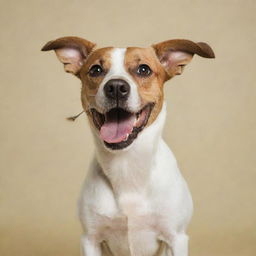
(73,118)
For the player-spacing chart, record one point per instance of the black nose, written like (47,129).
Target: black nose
(117,89)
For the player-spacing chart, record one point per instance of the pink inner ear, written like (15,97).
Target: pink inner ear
(71,58)
(174,61)
(177,58)
(69,55)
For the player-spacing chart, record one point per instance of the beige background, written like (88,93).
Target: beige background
(210,127)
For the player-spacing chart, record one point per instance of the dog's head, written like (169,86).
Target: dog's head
(122,88)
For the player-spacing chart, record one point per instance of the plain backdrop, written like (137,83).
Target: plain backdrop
(210,125)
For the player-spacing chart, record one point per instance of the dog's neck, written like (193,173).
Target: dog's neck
(129,170)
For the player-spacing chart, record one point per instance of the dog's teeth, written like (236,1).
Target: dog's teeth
(127,135)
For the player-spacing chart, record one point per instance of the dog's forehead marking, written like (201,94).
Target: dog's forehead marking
(117,61)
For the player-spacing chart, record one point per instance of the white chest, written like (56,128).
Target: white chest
(133,230)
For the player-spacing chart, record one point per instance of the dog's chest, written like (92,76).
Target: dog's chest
(132,230)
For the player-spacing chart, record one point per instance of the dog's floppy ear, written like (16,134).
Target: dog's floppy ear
(175,54)
(71,51)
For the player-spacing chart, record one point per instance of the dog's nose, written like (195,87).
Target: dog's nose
(117,89)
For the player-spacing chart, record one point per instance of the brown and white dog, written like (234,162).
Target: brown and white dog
(134,200)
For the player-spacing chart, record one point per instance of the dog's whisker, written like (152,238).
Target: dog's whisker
(73,118)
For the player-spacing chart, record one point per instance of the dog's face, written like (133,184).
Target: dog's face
(122,92)
(122,88)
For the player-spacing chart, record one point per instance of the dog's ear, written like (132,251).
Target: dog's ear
(71,51)
(175,54)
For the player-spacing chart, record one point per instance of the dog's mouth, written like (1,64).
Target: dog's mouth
(118,127)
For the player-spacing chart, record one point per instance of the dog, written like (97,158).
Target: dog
(134,201)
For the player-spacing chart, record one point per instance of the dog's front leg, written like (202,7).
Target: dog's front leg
(178,245)
(90,247)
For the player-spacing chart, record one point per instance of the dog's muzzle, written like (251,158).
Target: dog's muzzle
(118,125)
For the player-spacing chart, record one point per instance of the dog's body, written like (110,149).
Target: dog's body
(135,201)
(136,198)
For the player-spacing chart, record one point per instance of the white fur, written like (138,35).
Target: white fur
(134,198)
(117,70)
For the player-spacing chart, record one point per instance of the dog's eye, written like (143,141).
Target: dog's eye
(95,70)
(144,70)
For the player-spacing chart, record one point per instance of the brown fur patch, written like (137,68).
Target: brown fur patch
(90,85)
(150,88)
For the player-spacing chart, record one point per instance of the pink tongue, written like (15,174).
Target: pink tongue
(115,131)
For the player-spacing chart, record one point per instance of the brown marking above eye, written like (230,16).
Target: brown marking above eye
(101,61)
(99,57)
(135,57)
(143,66)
